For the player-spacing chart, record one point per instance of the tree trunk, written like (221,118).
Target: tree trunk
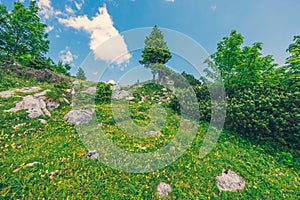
(14,54)
(153,77)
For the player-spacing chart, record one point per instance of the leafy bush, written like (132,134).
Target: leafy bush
(103,94)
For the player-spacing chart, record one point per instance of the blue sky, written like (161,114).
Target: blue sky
(77,27)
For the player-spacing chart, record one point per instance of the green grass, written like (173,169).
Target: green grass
(57,146)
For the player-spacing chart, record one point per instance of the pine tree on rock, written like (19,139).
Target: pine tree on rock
(156,54)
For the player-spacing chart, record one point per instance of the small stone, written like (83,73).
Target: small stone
(43,121)
(54,173)
(16,170)
(32,164)
(68,90)
(130,98)
(18,126)
(163,189)
(100,125)
(153,133)
(51,105)
(230,181)
(143,148)
(66,100)
(76,82)
(279,174)
(92,155)
(172,148)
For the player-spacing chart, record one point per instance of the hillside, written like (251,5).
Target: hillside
(44,157)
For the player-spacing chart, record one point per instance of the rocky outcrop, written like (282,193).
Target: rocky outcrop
(10,93)
(36,105)
(6,94)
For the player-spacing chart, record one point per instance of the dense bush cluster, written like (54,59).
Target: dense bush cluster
(268,112)
(262,99)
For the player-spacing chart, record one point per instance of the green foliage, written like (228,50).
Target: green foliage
(293,63)
(103,94)
(191,79)
(156,53)
(60,67)
(22,33)
(259,102)
(273,113)
(241,67)
(80,74)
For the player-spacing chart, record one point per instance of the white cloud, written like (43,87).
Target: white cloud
(45,8)
(78,5)
(101,29)
(171,1)
(69,10)
(22,1)
(66,56)
(213,8)
(49,29)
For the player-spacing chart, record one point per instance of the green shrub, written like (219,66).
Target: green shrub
(267,112)
(103,94)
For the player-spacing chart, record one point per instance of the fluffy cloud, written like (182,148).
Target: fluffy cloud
(66,56)
(171,1)
(49,29)
(102,32)
(45,9)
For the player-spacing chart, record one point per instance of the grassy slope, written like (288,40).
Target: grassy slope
(58,147)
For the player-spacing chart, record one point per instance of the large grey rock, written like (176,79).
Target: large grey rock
(9,93)
(80,116)
(163,189)
(34,104)
(118,93)
(230,181)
